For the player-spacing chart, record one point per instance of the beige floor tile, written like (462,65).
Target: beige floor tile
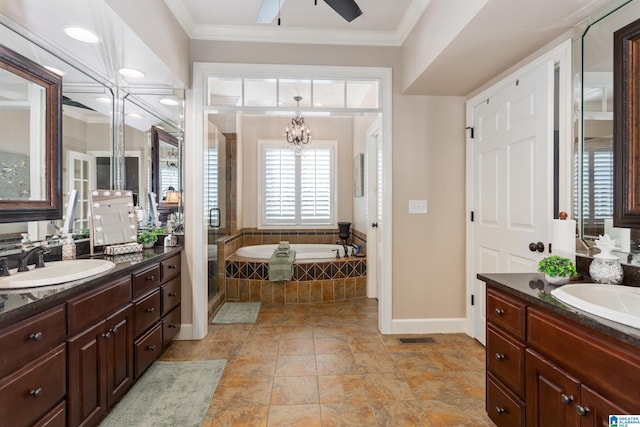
(341,388)
(294,416)
(349,414)
(295,390)
(295,365)
(327,364)
(242,416)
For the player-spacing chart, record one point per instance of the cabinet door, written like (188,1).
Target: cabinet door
(119,353)
(551,394)
(87,375)
(594,409)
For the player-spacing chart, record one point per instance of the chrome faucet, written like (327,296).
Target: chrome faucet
(25,257)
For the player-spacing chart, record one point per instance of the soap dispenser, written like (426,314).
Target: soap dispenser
(68,248)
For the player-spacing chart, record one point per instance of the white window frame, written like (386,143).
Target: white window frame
(279,144)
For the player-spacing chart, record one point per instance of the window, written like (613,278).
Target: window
(597,185)
(212,211)
(297,190)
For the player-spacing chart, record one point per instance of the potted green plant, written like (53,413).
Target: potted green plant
(557,270)
(147,238)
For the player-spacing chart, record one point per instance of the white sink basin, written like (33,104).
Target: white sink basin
(614,302)
(55,273)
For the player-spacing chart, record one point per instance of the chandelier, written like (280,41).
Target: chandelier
(299,135)
(172,158)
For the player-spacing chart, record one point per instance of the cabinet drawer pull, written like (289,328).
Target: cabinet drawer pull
(172,294)
(499,357)
(36,393)
(106,334)
(499,311)
(150,310)
(171,326)
(567,400)
(36,337)
(583,411)
(151,347)
(114,330)
(172,267)
(500,410)
(151,278)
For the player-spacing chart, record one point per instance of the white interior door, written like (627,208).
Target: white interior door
(512,179)
(374,211)
(81,176)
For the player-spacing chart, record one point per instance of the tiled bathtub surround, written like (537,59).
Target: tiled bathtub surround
(323,281)
(332,291)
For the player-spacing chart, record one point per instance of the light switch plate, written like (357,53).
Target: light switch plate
(417,206)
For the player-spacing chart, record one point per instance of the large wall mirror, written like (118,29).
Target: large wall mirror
(594,127)
(95,114)
(30,152)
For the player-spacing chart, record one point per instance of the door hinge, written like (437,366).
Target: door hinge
(470,127)
(473,301)
(472,216)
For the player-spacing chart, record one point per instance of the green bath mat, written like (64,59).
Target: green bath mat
(237,312)
(169,394)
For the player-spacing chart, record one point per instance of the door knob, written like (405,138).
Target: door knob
(374,224)
(536,247)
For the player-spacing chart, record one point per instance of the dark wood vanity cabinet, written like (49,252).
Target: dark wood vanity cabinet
(67,364)
(546,370)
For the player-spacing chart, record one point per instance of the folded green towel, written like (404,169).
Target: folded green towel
(283,246)
(281,267)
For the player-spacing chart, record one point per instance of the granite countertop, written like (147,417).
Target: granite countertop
(20,301)
(533,288)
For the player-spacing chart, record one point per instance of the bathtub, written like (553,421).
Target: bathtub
(303,251)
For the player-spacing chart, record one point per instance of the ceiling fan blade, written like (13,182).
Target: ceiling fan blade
(269,11)
(348,9)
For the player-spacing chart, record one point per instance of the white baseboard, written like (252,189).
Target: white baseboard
(429,326)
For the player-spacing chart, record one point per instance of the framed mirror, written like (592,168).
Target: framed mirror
(626,121)
(165,167)
(30,147)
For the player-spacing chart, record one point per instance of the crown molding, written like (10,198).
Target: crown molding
(274,34)
(179,10)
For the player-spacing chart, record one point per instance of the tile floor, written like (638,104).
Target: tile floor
(327,365)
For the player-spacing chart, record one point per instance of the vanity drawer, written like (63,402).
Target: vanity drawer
(32,337)
(505,359)
(597,359)
(170,326)
(506,313)
(57,417)
(170,294)
(31,392)
(170,267)
(503,407)
(147,349)
(93,306)
(145,279)
(146,312)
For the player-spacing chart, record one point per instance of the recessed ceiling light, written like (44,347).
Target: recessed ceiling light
(135,116)
(82,34)
(169,101)
(55,70)
(131,72)
(103,100)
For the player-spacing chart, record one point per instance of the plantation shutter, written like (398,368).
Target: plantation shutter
(279,186)
(212,186)
(315,186)
(597,187)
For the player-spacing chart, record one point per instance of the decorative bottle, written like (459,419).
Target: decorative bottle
(605,267)
(68,248)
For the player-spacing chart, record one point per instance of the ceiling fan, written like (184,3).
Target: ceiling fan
(270,9)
